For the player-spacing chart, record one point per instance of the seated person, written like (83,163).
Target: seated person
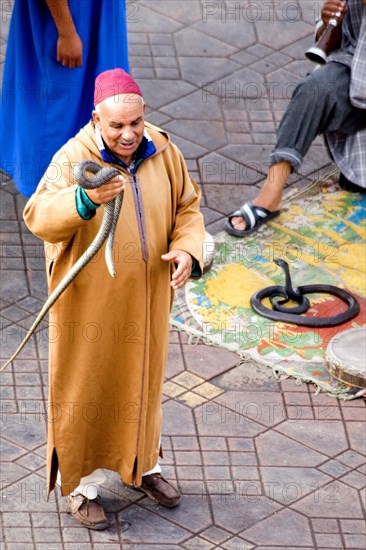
(330,101)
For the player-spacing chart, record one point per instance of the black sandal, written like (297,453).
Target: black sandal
(254,216)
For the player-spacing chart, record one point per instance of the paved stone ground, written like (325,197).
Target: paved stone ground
(262,464)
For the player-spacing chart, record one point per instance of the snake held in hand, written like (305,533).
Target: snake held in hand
(106,233)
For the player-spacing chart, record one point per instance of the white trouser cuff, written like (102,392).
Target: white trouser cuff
(155,470)
(88,484)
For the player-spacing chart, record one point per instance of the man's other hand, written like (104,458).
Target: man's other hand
(184,261)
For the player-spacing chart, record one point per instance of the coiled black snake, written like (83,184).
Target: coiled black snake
(106,233)
(293,314)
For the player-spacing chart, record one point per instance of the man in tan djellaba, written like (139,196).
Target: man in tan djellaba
(106,382)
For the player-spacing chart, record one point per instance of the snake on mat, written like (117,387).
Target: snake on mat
(293,314)
(106,233)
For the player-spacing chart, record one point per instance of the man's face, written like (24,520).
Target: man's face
(120,120)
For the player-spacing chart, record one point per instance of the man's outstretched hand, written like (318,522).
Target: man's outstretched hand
(184,261)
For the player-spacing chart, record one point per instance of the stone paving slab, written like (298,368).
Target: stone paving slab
(262,463)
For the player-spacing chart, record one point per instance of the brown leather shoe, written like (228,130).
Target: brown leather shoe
(159,489)
(88,513)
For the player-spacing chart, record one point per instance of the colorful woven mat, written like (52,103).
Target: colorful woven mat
(321,235)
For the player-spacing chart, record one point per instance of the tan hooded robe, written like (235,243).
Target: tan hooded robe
(110,336)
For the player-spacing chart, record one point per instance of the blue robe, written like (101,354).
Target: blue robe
(43,104)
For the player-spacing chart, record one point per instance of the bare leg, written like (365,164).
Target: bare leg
(270,196)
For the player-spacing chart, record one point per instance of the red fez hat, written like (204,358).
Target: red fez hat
(114,82)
